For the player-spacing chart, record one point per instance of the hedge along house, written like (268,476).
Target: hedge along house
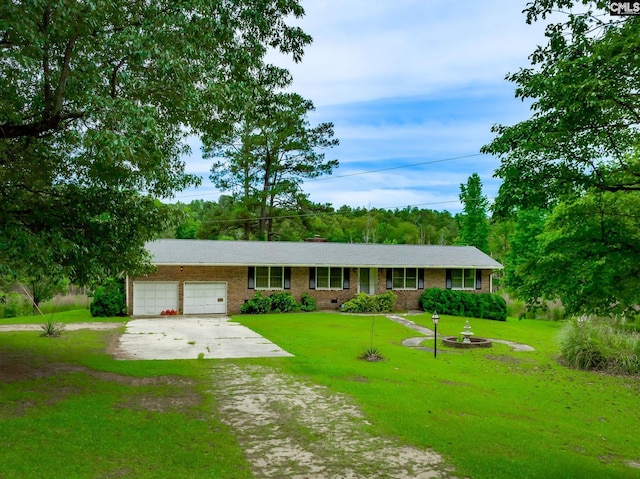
(217,277)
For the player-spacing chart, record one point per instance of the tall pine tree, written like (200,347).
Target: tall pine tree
(474,226)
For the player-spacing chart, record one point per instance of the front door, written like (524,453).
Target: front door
(367,278)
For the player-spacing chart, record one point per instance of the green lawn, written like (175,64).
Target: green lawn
(493,413)
(74,316)
(67,410)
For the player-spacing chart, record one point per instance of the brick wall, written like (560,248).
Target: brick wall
(238,292)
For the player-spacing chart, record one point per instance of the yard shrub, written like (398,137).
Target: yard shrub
(307,303)
(375,303)
(358,304)
(283,302)
(13,305)
(109,299)
(385,302)
(462,303)
(257,305)
(601,345)
(278,302)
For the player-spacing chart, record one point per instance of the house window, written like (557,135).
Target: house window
(405,278)
(329,278)
(269,277)
(463,279)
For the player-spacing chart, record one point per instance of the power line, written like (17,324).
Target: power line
(395,167)
(367,172)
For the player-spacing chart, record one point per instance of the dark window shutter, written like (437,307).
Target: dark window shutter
(287,277)
(312,278)
(389,278)
(420,278)
(252,274)
(448,280)
(346,282)
(478,279)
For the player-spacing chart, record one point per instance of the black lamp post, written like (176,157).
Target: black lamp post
(436,319)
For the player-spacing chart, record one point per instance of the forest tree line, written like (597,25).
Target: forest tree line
(216,220)
(227,219)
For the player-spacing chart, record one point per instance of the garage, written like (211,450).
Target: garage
(150,298)
(205,298)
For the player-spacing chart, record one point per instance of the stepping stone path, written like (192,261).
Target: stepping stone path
(429,334)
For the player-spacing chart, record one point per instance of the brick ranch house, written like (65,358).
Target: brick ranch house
(217,277)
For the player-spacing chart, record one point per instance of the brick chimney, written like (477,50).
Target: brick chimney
(316,239)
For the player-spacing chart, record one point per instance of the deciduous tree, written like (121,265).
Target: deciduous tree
(578,157)
(96,99)
(588,255)
(583,87)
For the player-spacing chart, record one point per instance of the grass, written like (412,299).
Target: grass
(493,413)
(70,411)
(75,316)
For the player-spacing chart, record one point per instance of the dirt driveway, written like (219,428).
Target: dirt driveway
(296,430)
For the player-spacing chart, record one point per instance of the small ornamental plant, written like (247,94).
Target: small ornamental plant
(51,329)
(372,355)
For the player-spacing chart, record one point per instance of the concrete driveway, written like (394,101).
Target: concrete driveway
(191,337)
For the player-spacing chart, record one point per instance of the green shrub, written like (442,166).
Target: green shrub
(257,305)
(385,302)
(516,308)
(13,305)
(358,304)
(307,303)
(109,299)
(463,303)
(283,302)
(599,344)
(375,303)
(278,302)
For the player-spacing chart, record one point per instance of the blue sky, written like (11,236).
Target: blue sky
(407,82)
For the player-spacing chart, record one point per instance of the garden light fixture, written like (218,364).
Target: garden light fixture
(436,319)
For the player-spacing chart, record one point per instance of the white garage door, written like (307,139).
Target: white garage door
(153,297)
(205,298)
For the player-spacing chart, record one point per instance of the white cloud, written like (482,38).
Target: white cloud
(405,82)
(364,50)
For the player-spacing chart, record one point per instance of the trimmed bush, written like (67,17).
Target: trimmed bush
(386,302)
(462,303)
(109,299)
(359,304)
(283,302)
(257,305)
(375,303)
(278,302)
(307,303)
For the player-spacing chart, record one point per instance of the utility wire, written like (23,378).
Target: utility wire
(394,168)
(367,172)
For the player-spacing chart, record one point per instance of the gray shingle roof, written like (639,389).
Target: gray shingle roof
(275,253)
